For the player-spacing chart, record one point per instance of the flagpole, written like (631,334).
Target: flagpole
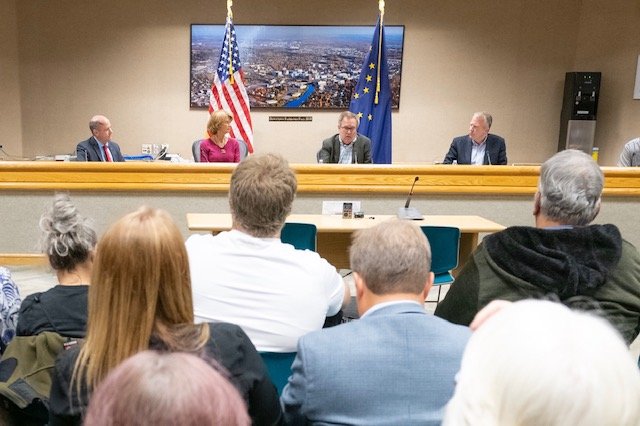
(230,18)
(381,7)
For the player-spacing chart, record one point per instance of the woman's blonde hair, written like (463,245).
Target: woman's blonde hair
(216,119)
(141,289)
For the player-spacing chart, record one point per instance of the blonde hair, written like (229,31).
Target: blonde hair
(261,193)
(216,119)
(539,363)
(140,289)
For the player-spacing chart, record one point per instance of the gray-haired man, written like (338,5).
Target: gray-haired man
(563,257)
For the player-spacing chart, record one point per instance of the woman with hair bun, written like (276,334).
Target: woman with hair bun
(69,242)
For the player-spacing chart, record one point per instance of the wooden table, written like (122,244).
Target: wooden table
(334,232)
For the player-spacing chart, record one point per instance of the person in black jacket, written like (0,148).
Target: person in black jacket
(141,298)
(69,241)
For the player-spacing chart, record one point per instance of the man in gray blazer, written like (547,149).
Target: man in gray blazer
(347,146)
(395,365)
(99,147)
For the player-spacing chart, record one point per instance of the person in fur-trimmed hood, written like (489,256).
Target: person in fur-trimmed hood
(562,258)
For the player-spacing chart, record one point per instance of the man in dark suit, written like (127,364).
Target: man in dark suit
(396,365)
(478,147)
(99,147)
(347,146)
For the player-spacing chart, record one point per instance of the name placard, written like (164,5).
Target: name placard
(291,118)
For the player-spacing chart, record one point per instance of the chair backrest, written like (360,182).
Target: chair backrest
(445,247)
(244,151)
(195,150)
(300,235)
(279,367)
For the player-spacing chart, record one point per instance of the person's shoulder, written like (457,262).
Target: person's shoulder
(495,138)
(330,139)
(460,139)
(197,240)
(225,337)
(363,138)
(86,142)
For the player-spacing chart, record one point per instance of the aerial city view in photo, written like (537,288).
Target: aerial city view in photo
(294,66)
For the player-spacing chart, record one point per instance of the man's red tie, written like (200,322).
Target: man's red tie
(107,153)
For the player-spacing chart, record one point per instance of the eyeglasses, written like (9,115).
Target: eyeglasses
(348,129)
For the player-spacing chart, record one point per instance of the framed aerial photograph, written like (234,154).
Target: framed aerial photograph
(294,66)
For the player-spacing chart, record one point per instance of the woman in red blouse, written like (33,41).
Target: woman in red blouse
(220,147)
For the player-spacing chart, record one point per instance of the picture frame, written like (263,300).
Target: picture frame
(294,66)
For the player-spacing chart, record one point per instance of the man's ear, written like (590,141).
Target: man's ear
(536,204)
(428,285)
(359,283)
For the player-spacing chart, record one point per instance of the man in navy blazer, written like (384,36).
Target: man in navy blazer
(347,146)
(396,364)
(478,147)
(99,147)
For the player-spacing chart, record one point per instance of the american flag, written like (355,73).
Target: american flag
(228,91)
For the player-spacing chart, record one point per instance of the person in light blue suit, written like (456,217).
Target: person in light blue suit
(395,365)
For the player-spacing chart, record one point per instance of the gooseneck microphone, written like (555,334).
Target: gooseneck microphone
(407,212)
(488,157)
(406,205)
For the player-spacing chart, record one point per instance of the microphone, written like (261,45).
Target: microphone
(407,212)
(488,156)
(406,205)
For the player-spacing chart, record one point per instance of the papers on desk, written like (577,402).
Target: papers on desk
(335,207)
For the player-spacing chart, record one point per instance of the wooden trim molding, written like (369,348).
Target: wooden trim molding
(312,178)
(22,259)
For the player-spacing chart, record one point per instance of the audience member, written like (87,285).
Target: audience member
(140,298)
(219,147)
(563,256)
(539,363)
(9,306)
(136,393)
(395,365)
(347,146)
(99,147)
(247,276)
(479,146)
(69,242)
(630,155)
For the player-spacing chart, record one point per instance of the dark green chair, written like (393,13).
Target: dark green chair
(445,248)
(279,367)
(300,235)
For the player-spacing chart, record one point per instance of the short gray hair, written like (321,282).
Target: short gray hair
(261,193)
(67,238)
(570,188)
(348,114)
(392,257)
(488,119)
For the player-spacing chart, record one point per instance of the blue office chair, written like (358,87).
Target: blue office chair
(195,150)
(445,248)
(300,235)
(279,367)
(244,150)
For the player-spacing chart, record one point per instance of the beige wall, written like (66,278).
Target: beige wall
(10,116)
(610,42)
(130,61)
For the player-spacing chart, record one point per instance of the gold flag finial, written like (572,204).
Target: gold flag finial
(229,5)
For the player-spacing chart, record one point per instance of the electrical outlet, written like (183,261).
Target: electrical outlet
(146,148)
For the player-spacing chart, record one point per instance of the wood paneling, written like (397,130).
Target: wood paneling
(312,178)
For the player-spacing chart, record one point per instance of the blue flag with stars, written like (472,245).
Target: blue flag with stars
(372,101)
